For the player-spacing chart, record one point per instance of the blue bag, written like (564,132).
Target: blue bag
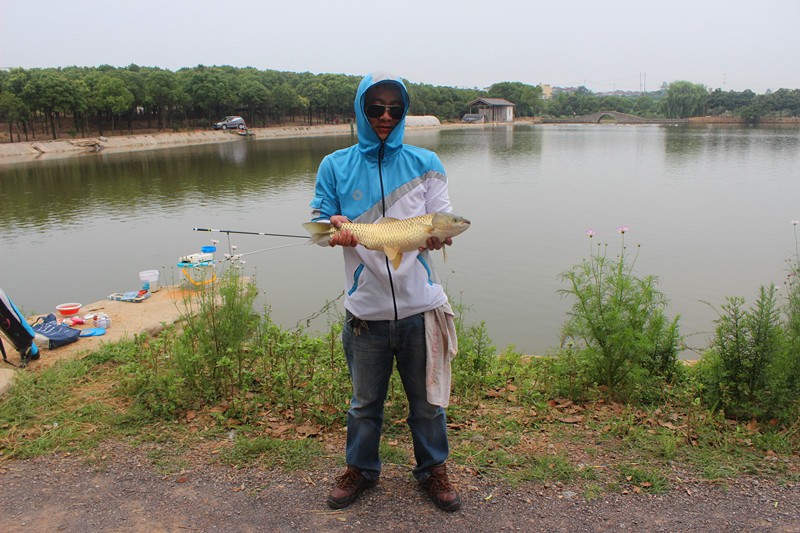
(57,334)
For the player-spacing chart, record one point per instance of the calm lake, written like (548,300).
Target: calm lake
(711,207)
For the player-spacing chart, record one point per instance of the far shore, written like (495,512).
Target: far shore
(42,150)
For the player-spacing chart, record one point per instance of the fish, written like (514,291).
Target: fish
(393,236)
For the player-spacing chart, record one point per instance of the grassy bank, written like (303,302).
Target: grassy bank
(515,432)
(229,386)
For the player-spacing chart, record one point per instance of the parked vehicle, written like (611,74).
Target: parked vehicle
(230,123)
(473,118)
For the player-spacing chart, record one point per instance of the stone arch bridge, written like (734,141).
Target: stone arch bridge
(619,118)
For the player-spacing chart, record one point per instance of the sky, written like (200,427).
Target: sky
(605,45)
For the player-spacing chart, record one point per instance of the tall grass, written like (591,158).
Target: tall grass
(226,353)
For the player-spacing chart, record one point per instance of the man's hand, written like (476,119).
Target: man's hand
(435,244)
(344,237)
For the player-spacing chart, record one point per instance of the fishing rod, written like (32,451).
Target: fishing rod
(229,231)
(231,256)
(237,257)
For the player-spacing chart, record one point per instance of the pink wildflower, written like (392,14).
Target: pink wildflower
(623,229)
(795,222)
(590,232)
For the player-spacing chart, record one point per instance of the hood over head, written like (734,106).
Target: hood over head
(368,141)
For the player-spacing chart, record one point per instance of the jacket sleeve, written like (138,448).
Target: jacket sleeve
(437,198)
(325,203)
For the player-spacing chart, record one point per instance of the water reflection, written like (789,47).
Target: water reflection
(691,141)
(67,190)
(235,153)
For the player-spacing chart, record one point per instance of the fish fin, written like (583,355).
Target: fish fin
(444,252)
(394,255)
(386,220)
(319,231)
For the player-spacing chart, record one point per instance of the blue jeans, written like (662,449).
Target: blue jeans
(371,347)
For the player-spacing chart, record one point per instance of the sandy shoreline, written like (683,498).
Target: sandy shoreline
(44,150)
(51,149)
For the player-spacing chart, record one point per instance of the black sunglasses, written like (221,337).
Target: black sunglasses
(377,110)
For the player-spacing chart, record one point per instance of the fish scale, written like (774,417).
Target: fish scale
(394,236)
(402,234)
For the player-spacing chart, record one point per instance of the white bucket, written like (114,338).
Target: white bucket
(151,277)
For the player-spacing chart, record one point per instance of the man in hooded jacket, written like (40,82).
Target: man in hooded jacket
(382,177)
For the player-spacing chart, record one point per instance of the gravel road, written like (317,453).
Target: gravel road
(124,491)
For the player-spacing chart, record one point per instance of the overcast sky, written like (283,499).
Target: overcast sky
(603,44)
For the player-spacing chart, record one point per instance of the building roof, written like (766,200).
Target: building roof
(493,102)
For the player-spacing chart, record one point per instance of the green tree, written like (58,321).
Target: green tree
(51,92)
(685,99)
(645,106)
(135,83)
(721,102)
(210,92)
(341,90)
(526,98)
(113,96)
(780,102)
(284,101)
(13,110)
(253,95)
(752,113)
(317,95)
(162,94)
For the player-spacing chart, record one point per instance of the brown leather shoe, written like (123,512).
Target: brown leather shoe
(441,490)
(349,487)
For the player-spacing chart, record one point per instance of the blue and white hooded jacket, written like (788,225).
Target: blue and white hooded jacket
(368,181)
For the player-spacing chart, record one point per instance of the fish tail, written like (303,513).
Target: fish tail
(319,231)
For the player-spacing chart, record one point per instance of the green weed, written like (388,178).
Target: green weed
(66,407)
(644,478)
(268,452)
(393,453)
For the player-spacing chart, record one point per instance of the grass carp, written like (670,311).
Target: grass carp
(392,236)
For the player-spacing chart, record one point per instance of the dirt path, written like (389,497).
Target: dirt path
(121,490)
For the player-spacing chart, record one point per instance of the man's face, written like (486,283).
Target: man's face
(384,94)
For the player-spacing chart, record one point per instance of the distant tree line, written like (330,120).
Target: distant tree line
(80,101)
(679,99)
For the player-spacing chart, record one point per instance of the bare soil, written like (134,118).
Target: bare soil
(118,488)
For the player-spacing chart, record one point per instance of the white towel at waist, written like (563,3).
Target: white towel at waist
(442,346)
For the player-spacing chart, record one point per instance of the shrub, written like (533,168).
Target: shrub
(213,354)
(472,368)
(735,371)
(228,355)
(789,362)
(617,324)
(752,369)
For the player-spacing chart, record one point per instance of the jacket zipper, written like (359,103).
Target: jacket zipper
(383,206)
